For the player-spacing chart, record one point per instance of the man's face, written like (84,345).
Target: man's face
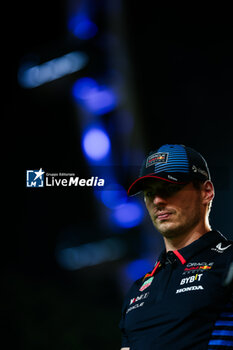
(174,209)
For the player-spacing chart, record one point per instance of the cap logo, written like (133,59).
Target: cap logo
(160,157)
(172,178)
(198,170)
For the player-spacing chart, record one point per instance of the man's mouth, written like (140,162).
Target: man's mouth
(163,215)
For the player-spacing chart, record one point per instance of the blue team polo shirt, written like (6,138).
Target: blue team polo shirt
(176,306)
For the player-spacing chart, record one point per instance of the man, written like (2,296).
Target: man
(184,303)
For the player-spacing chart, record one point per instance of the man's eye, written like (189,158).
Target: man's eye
(149,194)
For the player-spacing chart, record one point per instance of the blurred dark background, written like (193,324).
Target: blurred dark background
(139,76)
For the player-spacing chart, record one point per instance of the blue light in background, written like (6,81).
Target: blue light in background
(97,99)
(138,268)
(128,215)
(101,101)
(83,87)
(113,196)
(90,254)
(31,76)
(96,144)
(82,27)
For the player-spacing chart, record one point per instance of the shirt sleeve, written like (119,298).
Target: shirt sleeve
(132,291)
(222,333)
(228,274)
(125,340)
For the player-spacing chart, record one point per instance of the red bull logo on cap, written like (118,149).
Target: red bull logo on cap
(160,157)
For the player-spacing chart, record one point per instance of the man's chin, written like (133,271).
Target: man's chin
(168,229)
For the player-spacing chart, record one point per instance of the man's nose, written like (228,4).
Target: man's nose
(159,200)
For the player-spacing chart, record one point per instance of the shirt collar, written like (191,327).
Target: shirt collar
(184,254)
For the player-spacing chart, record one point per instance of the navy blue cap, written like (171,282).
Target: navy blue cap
(172,163)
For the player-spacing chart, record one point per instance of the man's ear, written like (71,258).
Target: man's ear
(207,192)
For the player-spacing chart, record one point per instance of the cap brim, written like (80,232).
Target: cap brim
(138,185)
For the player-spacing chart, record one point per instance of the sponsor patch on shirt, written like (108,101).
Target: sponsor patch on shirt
(139,297)
(219,248)
(136,306)
(146,284)
(189,289)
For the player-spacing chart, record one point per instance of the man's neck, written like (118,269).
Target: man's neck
(181,241)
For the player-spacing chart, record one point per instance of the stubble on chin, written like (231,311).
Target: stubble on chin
(168,230)
(175,227)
